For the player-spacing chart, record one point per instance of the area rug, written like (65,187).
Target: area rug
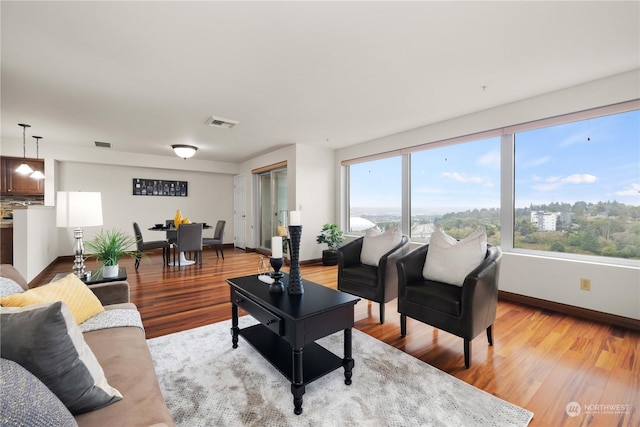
(206,382)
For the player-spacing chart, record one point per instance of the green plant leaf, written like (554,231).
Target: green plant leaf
(331,235)
(110,246)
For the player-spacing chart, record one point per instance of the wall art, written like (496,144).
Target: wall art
(159,187)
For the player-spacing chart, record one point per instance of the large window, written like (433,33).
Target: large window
(456,187)
(577,187)
(375,194)
(574,182)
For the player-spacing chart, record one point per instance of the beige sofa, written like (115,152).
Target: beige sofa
(125,359)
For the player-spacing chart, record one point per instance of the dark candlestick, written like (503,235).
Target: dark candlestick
(295,281)
(277,287)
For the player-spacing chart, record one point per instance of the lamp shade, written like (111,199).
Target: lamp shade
(184,151)
(37,175)
(78,209)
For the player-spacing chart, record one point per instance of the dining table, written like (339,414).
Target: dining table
(170,227)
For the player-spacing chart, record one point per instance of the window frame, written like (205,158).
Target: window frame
(507,178)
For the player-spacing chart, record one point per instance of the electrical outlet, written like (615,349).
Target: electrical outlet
(585,284)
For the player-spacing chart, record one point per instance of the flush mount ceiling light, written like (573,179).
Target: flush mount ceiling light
(37,174)
(24,168)
(184,151)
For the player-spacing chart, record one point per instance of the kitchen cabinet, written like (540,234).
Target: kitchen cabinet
(14,183)
(6,245)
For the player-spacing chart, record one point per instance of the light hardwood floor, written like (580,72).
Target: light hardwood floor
(540,360)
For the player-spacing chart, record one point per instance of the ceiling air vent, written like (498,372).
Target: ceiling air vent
(103,144)
(219,122)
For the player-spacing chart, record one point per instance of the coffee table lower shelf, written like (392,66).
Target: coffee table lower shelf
(317,360)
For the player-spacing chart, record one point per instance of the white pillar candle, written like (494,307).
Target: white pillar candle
(276,247)
(294,218)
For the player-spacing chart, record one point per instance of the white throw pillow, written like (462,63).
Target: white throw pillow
(449,260)
(376,244)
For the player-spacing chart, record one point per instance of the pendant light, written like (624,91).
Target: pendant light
(24,168)
(37,174)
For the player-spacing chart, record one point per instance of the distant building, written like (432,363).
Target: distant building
(545,221)
(564,219)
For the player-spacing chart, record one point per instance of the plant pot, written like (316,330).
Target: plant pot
(109,271)
(329,257)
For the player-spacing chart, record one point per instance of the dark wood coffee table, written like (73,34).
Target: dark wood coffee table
(290,325)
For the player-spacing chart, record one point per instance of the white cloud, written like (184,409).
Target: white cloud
(465,179)
(538,162)
(633,190)
(490,159)
(428,190)
(555,182)
(584,178)
(576,138)
(547,187)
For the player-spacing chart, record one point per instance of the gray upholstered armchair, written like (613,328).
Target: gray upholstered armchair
(375,283)
(464,311)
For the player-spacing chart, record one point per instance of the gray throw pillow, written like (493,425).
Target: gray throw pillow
(26,401)
(46,340)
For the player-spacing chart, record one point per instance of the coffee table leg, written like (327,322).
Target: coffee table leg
(234,325)
(347,362)
(297,386)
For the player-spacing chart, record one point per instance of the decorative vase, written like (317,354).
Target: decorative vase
(177,220)
(109,271)
(294,287)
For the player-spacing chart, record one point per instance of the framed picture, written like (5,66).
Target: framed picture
(160,187)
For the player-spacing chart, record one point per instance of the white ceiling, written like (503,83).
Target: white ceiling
(145,75)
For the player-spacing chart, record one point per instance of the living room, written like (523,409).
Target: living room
(316,175)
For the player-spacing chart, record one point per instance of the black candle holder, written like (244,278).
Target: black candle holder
(277,287)
(294,287)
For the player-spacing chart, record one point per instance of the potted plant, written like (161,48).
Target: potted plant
(108,247)
(333,237)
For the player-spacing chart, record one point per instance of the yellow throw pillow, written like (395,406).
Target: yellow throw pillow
(82,303)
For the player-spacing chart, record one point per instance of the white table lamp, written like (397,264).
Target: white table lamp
(78,209)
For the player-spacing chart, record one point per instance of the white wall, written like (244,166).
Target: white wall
(53,153)
(210,198)
(39,245)
(314,185)
(615,289)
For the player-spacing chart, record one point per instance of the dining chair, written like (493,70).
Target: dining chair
(189,240)
(216,241)
(149,245)
(172,235)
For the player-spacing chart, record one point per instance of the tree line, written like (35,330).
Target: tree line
(609,228)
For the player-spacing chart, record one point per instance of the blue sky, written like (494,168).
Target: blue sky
(592,160)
